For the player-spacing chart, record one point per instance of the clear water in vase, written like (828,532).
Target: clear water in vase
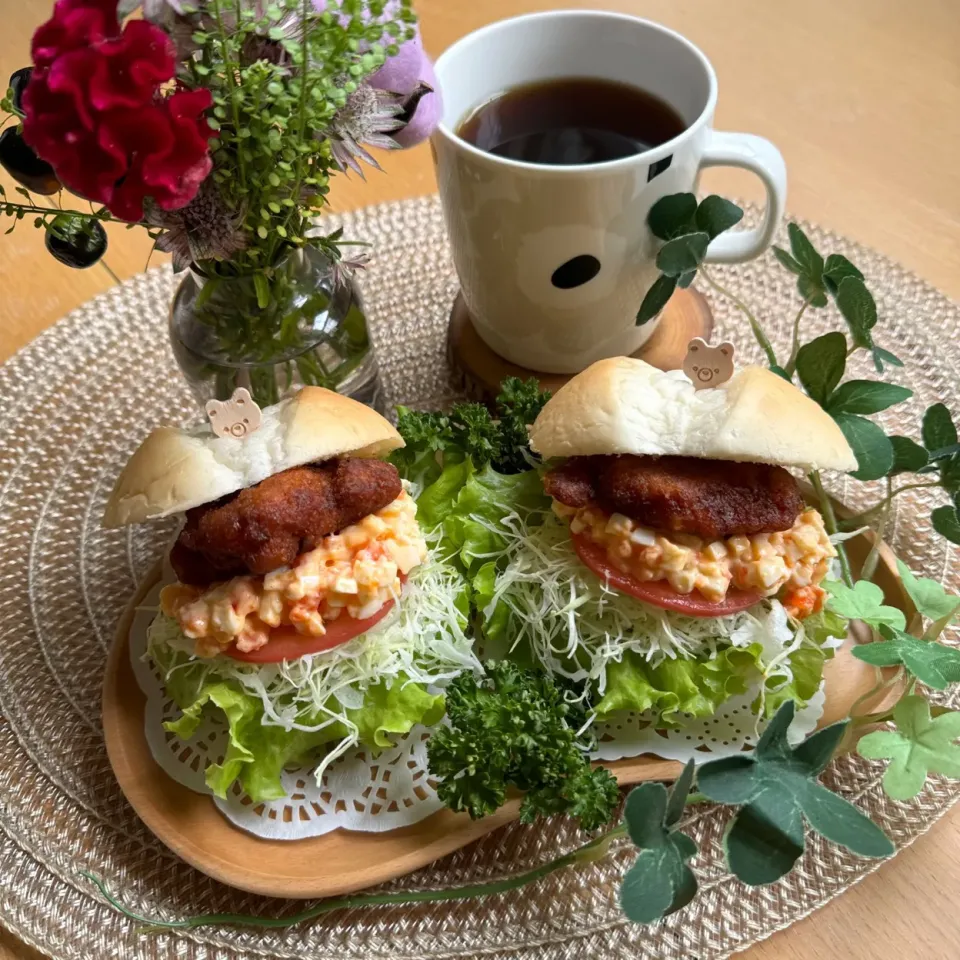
(273,333)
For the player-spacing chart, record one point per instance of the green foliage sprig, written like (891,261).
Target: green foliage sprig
(471,430)
(272,158)
(515,729)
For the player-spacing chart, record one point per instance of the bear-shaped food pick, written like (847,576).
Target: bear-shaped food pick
(708,366)
(237,417)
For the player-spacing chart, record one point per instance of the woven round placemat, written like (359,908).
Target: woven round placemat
(80,397)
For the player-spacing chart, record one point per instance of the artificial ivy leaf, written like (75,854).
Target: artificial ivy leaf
(778,788)
(908,456)
(682,254)
(820,365)
(866,396)
(881,356)
(672,215)
(677,798)
(805,253)
(644,814)
(780,372)
(656,298)
(938,428)
(812,291)
(870,445)
(685,279)
(765,839)
(946,522)
(818,749)
(714,215)
(919,746)
(928,595)
(659,882)
(787,260)
(857,305)
(863,602)
(835,269)
(647,890)
(932,663)
(842,823)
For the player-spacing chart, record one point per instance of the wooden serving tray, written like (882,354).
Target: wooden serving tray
(343,861)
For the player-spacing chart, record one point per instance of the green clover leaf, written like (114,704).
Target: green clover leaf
(938,428)
(918,747)
(908,456)
(940,440)
(857,305)
(881,357)
(715,215)
(870,445)
(947,523)
(682,254)
(656,298)
(659,882)
(864,601)
(928,595)
(932,663)
(806,263)
(836,269)
(865,397)
(820,365)
(672,216)
(778,789)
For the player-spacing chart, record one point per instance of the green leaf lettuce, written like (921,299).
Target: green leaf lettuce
(257,753)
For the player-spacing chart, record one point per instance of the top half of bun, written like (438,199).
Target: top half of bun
(175,469)
(624,405)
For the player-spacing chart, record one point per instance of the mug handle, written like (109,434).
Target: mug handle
(765,160)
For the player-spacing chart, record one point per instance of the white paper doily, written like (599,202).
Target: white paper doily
(357,791)
(734,727)
(371,794)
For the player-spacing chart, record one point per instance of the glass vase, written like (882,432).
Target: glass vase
(273,332)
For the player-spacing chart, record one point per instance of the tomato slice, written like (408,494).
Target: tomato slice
(659,593)
(286,644)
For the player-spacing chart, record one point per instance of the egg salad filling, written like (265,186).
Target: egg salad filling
(352,573)
(791,563)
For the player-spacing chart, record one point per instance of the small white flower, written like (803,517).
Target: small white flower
(366,120)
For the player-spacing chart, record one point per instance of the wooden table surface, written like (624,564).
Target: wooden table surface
(863,98)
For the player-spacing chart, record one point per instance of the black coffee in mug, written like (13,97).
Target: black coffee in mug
(577,120)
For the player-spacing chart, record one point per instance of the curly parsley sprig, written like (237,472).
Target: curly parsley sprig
(514,728)
(471,430)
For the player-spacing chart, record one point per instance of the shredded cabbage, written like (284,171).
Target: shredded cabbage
(328,696)
(539,601)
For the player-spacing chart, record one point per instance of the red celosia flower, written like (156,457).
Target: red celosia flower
(75,24)
(95,113)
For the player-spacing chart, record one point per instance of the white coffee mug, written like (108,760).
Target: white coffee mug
(513,224)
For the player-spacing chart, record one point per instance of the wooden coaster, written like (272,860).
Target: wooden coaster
(686,316)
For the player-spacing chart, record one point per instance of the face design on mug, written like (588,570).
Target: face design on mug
(708,366)
(237,417)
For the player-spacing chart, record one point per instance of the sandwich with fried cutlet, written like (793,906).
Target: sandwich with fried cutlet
(675,565)
(303,604)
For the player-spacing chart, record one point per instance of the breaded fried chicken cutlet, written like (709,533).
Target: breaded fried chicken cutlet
(706,498)
(269,524)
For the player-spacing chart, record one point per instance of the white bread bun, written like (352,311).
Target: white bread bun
(623,405)
(175,469)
